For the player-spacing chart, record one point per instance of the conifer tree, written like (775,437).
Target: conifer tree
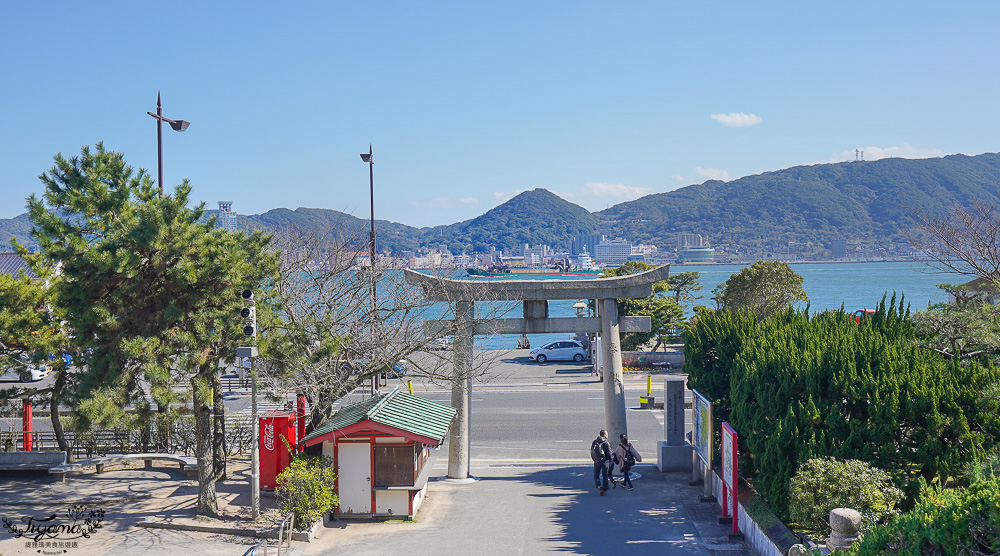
(149,287)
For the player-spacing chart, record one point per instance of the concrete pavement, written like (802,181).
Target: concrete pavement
(512,509)
(530,440)
(543,509)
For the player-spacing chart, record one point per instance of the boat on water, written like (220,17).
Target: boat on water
(584,262)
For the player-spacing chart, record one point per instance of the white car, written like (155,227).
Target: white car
(445,343)
(565,350)
(29,373)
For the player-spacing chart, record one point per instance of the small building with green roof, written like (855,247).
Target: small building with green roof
(382,448)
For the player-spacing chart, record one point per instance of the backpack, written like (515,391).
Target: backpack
(629,457)
(597,450)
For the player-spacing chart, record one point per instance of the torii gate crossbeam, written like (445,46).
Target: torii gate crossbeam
(535,293)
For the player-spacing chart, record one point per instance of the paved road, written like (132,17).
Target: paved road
(530,439)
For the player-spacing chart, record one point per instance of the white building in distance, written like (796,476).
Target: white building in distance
(227,218)
(612,252)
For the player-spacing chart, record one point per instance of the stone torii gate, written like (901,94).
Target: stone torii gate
(535,294)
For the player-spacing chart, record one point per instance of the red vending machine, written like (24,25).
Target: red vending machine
(276,427)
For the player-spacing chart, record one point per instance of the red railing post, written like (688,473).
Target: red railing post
(26,424)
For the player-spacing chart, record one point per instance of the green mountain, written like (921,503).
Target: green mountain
(858,201)
(536,216)
(388,235)
(868,201)
(18,227)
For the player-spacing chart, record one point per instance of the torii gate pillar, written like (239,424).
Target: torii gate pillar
(461,391)
(535,293)
(614,379)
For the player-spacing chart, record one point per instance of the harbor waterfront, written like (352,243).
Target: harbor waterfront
(855,285)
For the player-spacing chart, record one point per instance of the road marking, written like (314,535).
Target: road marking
(569,441)
(595,398)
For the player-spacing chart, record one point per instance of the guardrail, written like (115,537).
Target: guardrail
(100,442)
(259,549)
(290,519)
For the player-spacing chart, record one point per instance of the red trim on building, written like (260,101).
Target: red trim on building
(371,475)
(374,427)
(336,480)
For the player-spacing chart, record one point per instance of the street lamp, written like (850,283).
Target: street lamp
(367,157)
(176,125)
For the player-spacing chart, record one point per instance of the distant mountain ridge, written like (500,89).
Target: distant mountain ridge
(862,201)
(859,201)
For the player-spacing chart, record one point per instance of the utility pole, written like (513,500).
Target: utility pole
(249,314)
(367,157)
(255,451)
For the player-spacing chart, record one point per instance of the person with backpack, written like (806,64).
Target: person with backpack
(626,455)
(600,452)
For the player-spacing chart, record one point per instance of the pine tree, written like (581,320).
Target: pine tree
(149,287)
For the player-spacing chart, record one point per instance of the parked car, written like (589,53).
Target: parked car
(440,343)
(27,373)
(565,350)
(398,369)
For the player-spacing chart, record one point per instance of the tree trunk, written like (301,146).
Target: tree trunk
(57,427)
(162,429)
(218,431)
(145,425)
(207,502)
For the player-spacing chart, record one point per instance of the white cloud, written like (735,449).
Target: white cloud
(737,119)
(597,189)
(713,173)
(877,153)
(469,201)
(678,178)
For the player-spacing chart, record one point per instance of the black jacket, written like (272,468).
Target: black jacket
(605,448)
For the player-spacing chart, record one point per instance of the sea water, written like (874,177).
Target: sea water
(854,286)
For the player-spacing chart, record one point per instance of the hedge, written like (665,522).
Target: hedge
(797,387)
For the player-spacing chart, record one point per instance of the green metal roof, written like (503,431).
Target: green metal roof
(396,409)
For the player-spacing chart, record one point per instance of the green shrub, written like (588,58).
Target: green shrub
(306,487)
(961,521)
(983,468)
(823,484)
(797,387)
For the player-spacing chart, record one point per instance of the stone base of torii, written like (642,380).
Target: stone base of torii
(535,294)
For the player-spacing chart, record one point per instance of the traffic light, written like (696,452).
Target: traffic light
(249,314)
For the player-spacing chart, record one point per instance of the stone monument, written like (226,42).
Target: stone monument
(673,453)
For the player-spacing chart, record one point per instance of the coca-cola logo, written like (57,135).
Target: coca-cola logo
(269,436)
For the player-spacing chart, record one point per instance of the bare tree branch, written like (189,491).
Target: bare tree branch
(329,338)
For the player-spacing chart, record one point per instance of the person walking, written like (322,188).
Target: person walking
(600,452)
(626,455)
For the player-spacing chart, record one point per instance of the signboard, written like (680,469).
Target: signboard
(730,472)
(701,429)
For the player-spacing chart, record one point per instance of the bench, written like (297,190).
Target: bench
(31,461)
(188,464)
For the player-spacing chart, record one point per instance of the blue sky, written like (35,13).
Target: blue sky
(468,103)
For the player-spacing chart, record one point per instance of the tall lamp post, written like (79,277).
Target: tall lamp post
(367,157)
(176,125)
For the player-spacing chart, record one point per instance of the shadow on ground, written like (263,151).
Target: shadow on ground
(662,514)
(531,510)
